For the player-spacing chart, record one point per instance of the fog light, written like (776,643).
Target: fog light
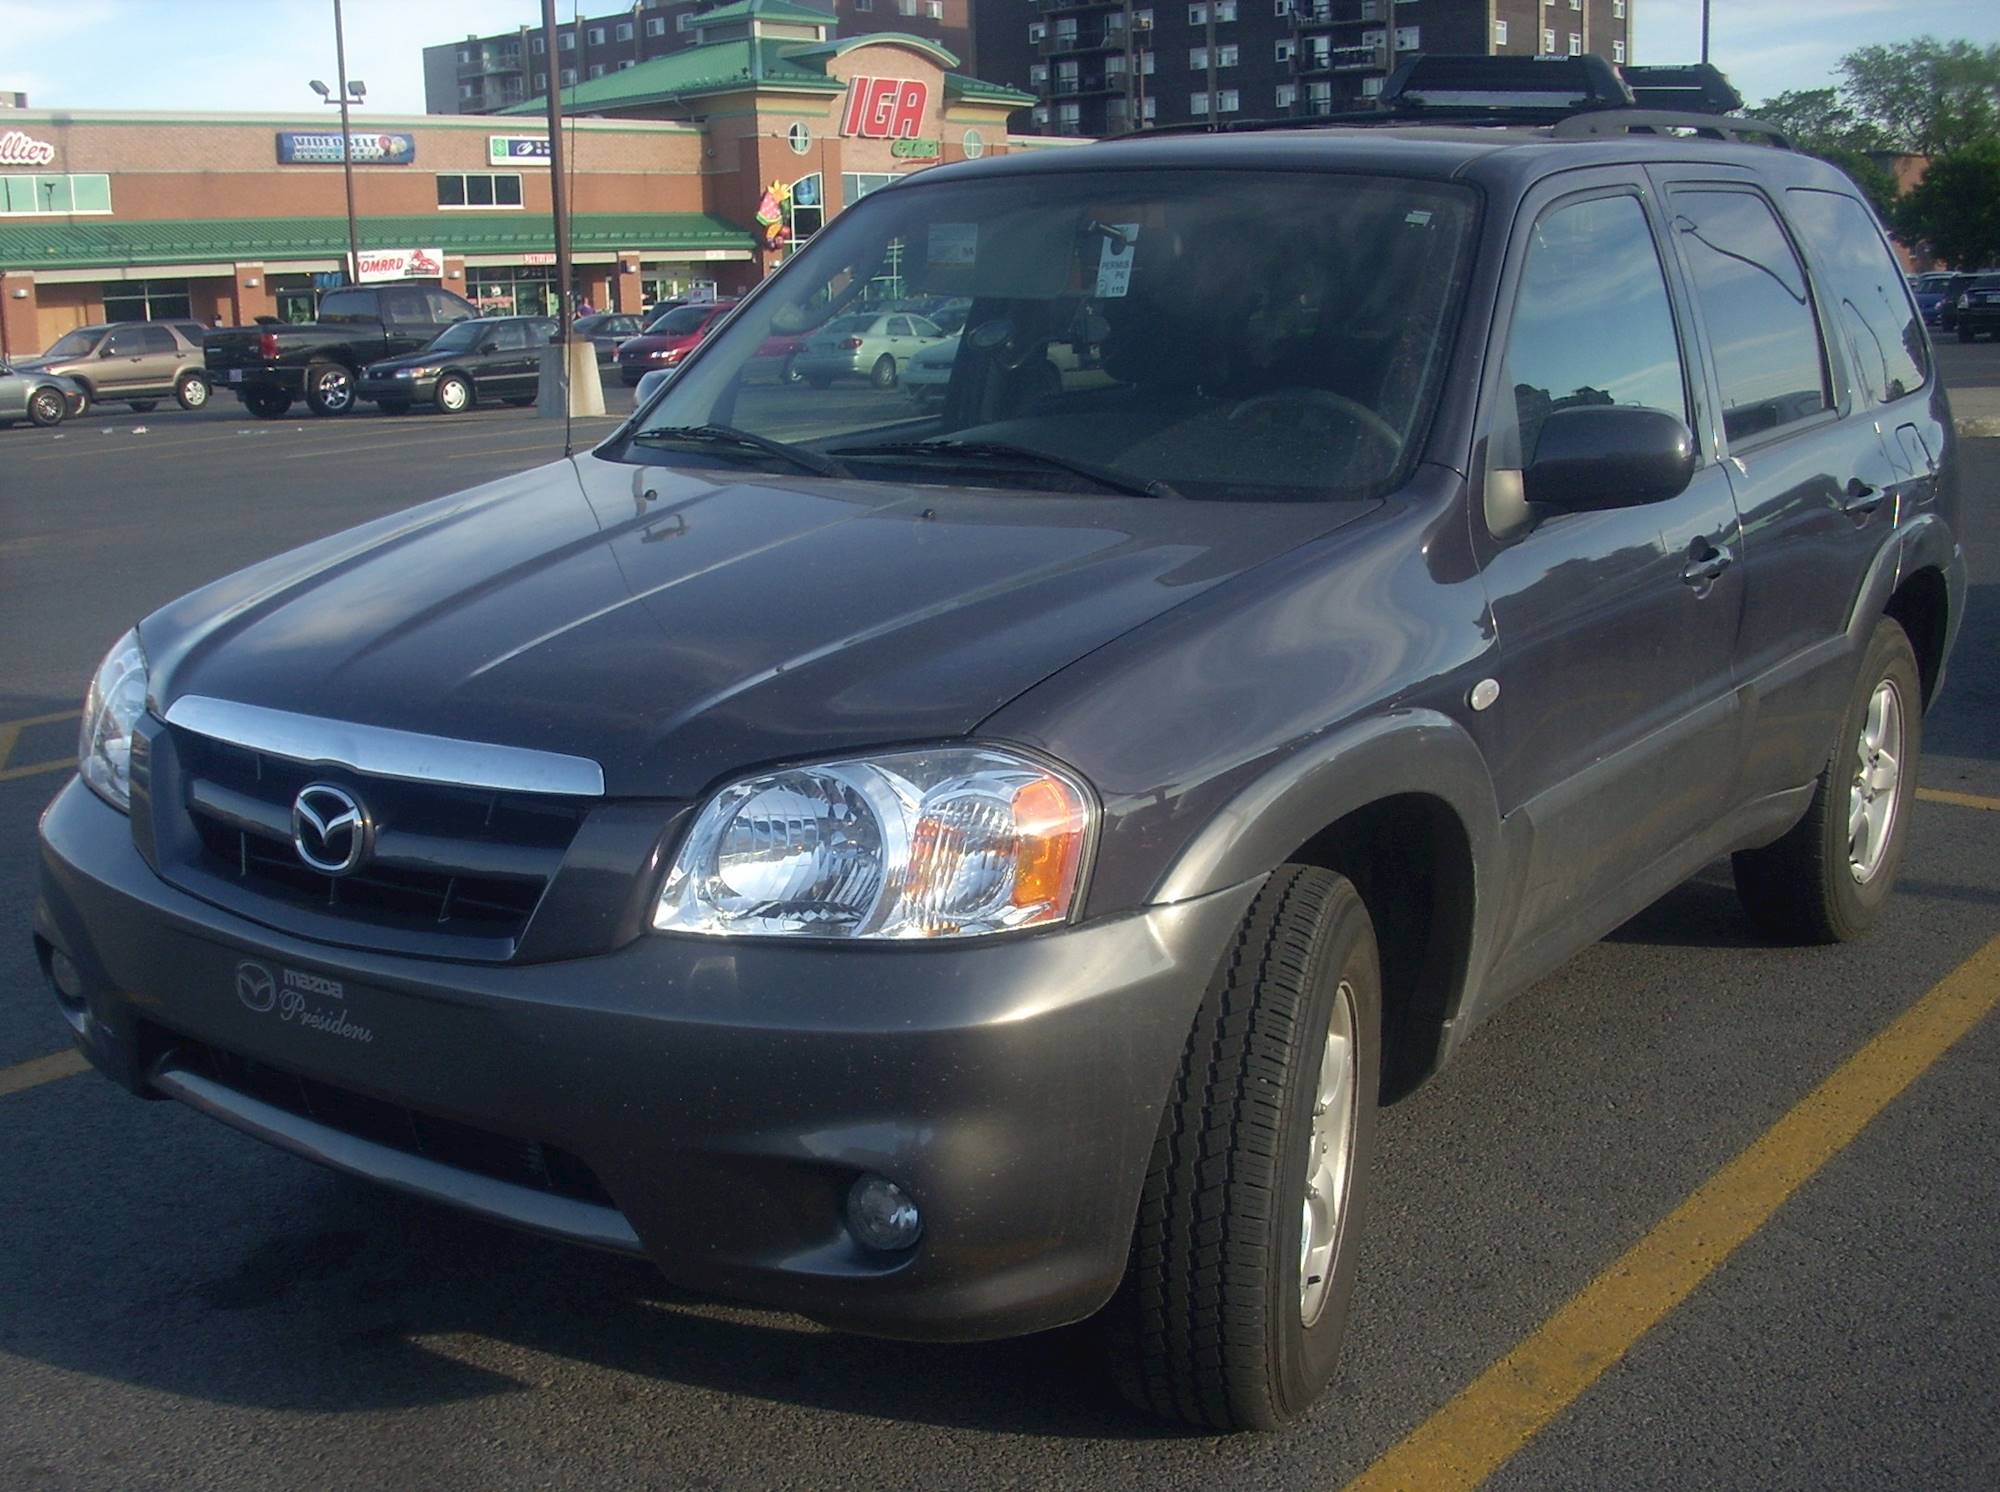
(68,977)
(881,1214)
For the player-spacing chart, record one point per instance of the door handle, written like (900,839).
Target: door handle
(1861,499)
(1707,568)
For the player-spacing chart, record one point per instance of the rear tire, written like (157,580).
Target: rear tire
(46,407)
(192,391)
(268,404)
(1236,1293)
(883,375)
(329,389)
(1828,879)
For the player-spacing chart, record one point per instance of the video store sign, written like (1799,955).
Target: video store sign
(399,264)
(885,108)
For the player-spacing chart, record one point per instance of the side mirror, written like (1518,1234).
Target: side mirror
(1608,456)
(491,344)
(107,351)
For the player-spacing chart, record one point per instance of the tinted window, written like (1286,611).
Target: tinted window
(126,342)
(683,321)
(899,326)
(405,308)
(1591,266)
(511,335)
(1885,338)
(157,339)
(348,306)
(1757,309)
(446,309)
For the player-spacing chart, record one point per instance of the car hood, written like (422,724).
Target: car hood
(678,625)
(421,359)
(646,342)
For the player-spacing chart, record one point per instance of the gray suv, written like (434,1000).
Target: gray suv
(132,362)
(957,871)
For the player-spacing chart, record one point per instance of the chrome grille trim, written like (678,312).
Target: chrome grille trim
(378,751)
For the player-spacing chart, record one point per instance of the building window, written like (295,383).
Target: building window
(684,21)
(1040,114)
(1371,87)
(974,144)
(627,62)
(1499,33)
(1575,44)
(1149,107)
(468,90)
(146,300)
(1226,56)
(934,9)
(800,138)
(1197,15)
(1617,51)
(1284,51)
(568,76)
(566,42)
(1198,59)
(1228,101)
(597,69)
(907,7)
(624,31)
(479,189)
(656,26)
(467,56)
(539,45)
(1407,39)
(48,196)
(595,34)
(1371,10)
(1281,7)
(1038,74)
(808,207)
(1548,42)
(541,82)
(1198,103)
(1069,117)
(1617,10)
(1036,31)
(864,4)
(1287,95)
(1146,61)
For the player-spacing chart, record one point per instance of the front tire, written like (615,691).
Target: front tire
(453,394)
(192,391)
(1236,1294)
(329,389)
(883,375)
(46,407)
(1828,879)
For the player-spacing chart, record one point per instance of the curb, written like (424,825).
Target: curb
(1979,427)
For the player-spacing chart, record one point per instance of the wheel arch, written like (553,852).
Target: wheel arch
(1403,806)
(1921,605)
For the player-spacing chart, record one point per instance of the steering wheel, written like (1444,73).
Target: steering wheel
(1356,411)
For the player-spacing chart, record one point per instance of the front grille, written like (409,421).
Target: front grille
(466,861)
(464,1147)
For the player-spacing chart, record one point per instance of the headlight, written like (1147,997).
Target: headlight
(417,372)
(915,844)
(1964,301)
(116,700)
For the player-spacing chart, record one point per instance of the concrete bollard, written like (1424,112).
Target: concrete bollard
(584,389)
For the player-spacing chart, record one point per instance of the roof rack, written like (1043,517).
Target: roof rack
(1613,122)
(1692,88)
(1433,87)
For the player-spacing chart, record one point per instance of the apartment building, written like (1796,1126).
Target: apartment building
(484,74)
(1113,65)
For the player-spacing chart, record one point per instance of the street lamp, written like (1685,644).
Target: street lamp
(355,92)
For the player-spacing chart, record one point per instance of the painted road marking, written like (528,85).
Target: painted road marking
(1959,800)
(1493,1418)
(10,734)
(39,1070)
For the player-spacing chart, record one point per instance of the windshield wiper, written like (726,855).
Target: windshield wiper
(742,440)
(999,452)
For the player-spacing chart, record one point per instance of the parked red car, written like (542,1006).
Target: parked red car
(670,339)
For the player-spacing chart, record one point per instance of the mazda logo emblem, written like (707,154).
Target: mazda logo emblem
(255,987)
(330,829)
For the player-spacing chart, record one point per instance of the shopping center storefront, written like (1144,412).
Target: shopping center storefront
(228,218)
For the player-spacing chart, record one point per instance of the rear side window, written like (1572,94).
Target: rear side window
(348,306)
(1757,309)
(1590,265)
(445,309)
(512,336)
(158,339)
(1885,339)
(405,308)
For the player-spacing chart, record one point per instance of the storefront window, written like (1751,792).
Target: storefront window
(147,300)
(808,207)
(854,185)
(41,196)
(513,290)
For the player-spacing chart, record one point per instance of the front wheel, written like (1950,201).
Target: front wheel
(1827,880)
(192,391)
(883,376)
(329,389)
(1236,1292)
(47,407)
(453,395)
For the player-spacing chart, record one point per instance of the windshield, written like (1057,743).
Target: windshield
(1232,335)
(462,336)
(75,344)
(682,320)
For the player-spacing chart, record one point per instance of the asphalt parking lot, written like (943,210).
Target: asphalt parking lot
(1571,1280)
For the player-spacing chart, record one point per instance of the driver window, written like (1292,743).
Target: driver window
(1592,325)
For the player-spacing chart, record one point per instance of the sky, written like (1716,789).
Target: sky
(260,54)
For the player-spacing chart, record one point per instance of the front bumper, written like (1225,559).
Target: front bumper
(1982,318)
(724,1093)
(632,372)
(396,390)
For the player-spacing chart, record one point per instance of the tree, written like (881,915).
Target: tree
(1818,122)
(1955,209)
(1924,97)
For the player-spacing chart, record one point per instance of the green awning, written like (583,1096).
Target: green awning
(86,243)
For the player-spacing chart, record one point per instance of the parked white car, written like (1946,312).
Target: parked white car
(871,345)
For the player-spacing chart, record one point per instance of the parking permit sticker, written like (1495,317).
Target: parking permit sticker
(1114,263)
(954,243)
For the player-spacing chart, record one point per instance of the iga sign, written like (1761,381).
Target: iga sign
(322,148)
(885,108)
(502,149)
(17,149)
(399,264)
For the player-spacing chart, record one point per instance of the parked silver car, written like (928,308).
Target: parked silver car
(136,362)
(869,345)
(37,397)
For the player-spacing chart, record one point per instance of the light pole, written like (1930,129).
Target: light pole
(358,91)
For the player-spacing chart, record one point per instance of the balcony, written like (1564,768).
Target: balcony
(1343,60)
(1056,7)
(488,63)
(1346,13)
(1087,39)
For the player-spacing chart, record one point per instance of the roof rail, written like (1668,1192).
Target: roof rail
(1692,88)
(1610,122)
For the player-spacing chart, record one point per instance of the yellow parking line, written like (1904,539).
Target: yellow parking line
(36,769)
(1959,800)
(10,733)
(1471,1437)
(39,1070)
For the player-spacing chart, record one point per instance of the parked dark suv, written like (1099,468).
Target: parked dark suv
(952,872)
(1978,306)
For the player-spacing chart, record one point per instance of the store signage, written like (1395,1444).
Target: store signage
(17,149)
(915,150)
(885,108)
(538,258)
(399,264)
(503,149)
(322,148)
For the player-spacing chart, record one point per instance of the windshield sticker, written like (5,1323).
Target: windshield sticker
(1417,219)
(954,243)
(1114,262)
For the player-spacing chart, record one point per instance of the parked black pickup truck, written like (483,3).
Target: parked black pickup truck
(267,367)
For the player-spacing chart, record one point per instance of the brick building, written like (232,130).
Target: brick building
(485,74)
(108,216)
(1105,67)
